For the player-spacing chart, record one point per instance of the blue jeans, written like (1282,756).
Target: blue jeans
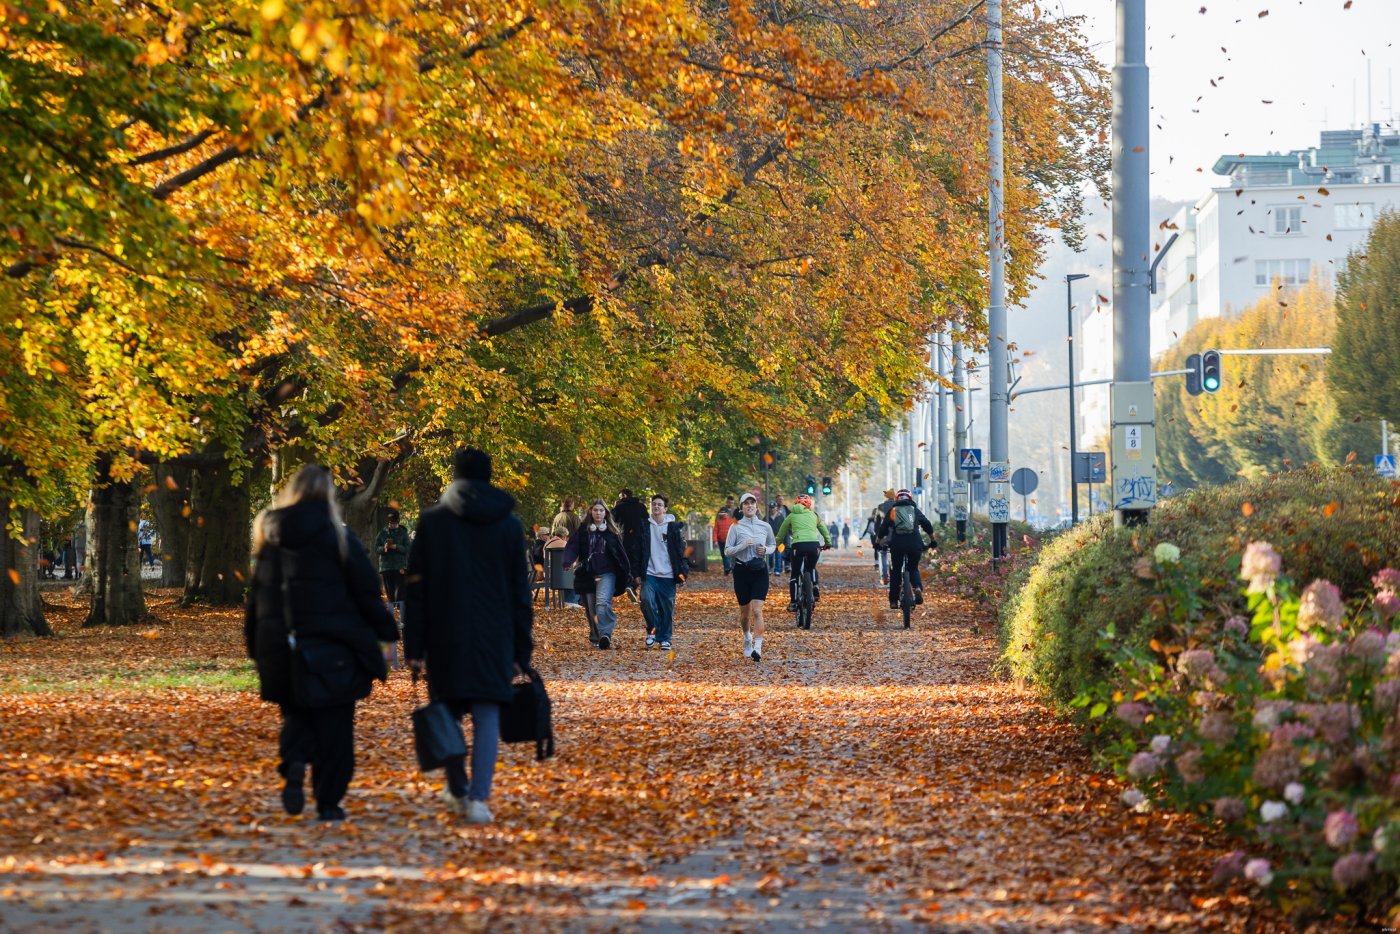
(486,741)
(724,559)
(659,597)
(601,616)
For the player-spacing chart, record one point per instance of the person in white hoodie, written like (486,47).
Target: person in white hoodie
(663,567)
(747,546)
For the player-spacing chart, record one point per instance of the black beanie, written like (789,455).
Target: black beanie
(471,464)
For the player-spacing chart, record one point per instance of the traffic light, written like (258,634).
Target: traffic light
(826,486)
(1193,375)
(1210,371)
(811,485)
(767,459)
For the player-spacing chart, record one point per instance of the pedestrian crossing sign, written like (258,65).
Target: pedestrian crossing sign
(970,458)
(1385,465)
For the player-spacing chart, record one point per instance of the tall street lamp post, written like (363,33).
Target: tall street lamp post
(1073,422)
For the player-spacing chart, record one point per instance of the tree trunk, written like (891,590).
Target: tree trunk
(360,507)
(21,610)
(220,530)
(171,504)
(427,488)
(113,554)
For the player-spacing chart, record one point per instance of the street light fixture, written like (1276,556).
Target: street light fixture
(1069,320)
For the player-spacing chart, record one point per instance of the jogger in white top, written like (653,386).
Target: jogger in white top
(749,543)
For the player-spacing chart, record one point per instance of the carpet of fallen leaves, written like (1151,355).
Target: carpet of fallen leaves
(861,777)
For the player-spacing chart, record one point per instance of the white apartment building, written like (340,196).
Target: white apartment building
(1282,218)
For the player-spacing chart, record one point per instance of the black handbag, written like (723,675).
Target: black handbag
(437,734)
(527,718)
(324,672)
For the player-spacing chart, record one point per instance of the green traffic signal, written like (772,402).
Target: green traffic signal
(811,485)
(826,486)
(1211,378)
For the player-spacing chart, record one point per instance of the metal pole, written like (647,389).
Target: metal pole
(941,356)
(997,440)
(1073,421)
(1385,438)
(1132,357)
(959,420)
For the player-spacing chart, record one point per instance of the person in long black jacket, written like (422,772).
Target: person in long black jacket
(631,517)
(900,525)
(303,551)
(468,616)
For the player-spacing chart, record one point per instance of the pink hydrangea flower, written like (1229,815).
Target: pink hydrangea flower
(1333,722)
(1260,566)
(1200,666)
(1321,607)
(1387,604)
(1237,625)
(1190,766)
(1230,809)
(1258,871)
(1132,713)
(1339,829)
(1229,868)
(1352,869)
(1275,768)
(1368,645)
(1217,727)
(1267,713)
(1387,579)
(1294,793)
(1285,734)
(1144,765)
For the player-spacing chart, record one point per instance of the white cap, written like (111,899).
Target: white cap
(746,497)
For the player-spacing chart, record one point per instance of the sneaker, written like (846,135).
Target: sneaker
(918,595)
(458,806)
(665,646)
(478,813)
(604,642)
(748,646)
(331,814)
(573,606)
(756,655)
(894,604)
(792,606)
(293,797)
(651,640)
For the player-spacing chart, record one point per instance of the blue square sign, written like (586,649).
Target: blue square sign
(1385,465)
(969,458)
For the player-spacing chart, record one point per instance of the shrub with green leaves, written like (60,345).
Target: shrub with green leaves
(1335,524)
(1280,723)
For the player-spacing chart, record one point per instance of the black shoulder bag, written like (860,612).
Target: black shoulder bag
(437,735)
(324,671)
(527,718)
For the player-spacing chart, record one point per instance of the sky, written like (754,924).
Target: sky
(1305,56)
(1308,58)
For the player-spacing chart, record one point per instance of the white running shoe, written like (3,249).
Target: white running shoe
(651,640)
(458,806)
(748,645)
(478,812)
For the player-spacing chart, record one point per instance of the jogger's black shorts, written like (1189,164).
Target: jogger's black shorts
(750,585)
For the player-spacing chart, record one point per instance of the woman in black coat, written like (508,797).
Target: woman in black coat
(602,564)
(319,633)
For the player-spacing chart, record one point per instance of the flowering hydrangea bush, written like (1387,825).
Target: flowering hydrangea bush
(1281,724)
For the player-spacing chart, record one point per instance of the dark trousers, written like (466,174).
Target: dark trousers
(325,738)
(898,554)
(393,585)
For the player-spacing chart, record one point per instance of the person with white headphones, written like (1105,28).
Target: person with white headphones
(602,563)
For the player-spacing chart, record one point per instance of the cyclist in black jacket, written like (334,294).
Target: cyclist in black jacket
(900,526)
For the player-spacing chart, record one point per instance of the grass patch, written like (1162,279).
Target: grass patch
(182,674)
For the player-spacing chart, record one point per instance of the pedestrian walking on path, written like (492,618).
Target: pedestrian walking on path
(313,608)
(602,564)
(901,525)
(724,518)
(775,522)
(808,535)
(664,563)
(566,523)
(631,516)
(468,617)
(750,542)
(391,546)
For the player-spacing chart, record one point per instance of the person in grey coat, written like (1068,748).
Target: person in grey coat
(468,618)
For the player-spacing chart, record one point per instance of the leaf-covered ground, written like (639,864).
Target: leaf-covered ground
(862,777)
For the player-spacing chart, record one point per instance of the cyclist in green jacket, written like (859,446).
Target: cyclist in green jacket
(809,538)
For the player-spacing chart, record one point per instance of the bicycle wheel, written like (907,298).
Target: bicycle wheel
(807,599)
(906,592)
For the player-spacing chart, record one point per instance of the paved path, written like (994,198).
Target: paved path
(862,777)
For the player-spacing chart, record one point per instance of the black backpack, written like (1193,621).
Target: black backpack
(527,718)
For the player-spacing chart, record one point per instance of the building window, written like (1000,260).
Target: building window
(1288,220)
(1286,271)
(1353,216)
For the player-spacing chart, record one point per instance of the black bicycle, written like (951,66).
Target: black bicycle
(806,597)
(906,591)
